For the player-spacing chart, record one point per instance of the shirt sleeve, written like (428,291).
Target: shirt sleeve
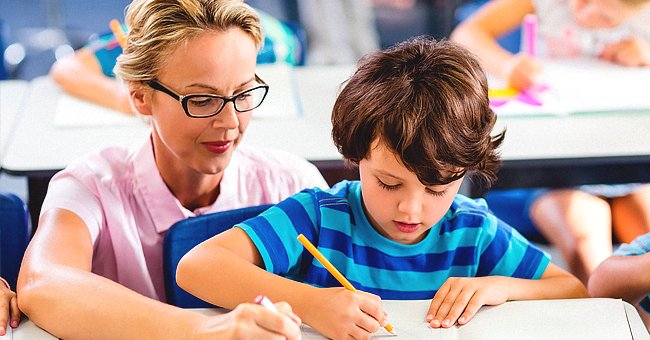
(69,193)
(275,232)
(503,251)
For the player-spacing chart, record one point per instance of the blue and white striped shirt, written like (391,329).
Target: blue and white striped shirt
(467,242)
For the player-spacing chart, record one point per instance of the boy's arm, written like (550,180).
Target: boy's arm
(622,277)
(81,76)
(458,299)
(480,32)
(227,269)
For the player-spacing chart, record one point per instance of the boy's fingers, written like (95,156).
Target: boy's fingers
(446,306)
(437,301)
(473,306)
(459,306)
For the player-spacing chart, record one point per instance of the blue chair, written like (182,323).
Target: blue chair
(14,235)
(513,207)
(185,235)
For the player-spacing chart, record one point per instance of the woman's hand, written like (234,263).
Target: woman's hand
(459,298)
(251,321)
(8,308)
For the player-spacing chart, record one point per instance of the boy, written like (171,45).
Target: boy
(415,118)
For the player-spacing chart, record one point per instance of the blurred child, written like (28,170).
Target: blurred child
(613,30)
(415,119)
(88,73)
(624,275)
(9,312)
(578,221)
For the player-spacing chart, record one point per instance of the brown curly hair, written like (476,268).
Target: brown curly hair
(427,101)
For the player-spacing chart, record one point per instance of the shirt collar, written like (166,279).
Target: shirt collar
(164,208)
(162,205)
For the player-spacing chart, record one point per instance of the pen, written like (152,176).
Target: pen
(529,33)
(118,32)
(263,301)
(335,272)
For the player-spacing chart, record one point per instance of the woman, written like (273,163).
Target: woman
(94,264)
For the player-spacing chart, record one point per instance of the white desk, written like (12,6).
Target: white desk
(550,319)
(551,151)
(12,95)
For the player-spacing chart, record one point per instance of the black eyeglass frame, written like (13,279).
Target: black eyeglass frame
(183,99)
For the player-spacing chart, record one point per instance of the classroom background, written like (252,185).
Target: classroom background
(34,33)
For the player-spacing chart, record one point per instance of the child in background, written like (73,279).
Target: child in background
(415,119)
(579,221)
(9,312)
(613,30)
(625,275)
(88,73)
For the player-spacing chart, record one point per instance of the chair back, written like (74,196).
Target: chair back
(14,235)
(185,235)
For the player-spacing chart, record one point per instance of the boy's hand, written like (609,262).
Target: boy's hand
(251,321)
(341,314)
(459,298)
(522,71)
(631,52)
(8,308)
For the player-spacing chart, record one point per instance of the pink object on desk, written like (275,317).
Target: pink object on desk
(529,30)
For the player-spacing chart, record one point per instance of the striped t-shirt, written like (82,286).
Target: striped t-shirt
(467,242)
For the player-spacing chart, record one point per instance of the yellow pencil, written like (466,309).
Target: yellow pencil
(118,32)
(335,272)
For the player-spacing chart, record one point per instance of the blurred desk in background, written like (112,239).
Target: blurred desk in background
(549,151)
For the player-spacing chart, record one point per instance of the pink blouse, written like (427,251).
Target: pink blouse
(120,196)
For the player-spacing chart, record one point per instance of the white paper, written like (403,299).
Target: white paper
(539,319)
(584,85)
(75,112)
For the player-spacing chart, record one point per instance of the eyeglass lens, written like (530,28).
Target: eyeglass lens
(199,106)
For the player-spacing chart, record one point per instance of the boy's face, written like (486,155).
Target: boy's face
(601,13)
(397,204)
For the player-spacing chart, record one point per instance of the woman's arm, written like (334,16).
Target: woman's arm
(81,75)
(57,291)
(227,269)
(622,277)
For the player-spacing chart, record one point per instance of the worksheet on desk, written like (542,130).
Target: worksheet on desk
(581,85)
(535,319)
(74,112)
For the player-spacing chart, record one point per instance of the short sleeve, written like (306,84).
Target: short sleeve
(502,250)
(639,246)
(67,192)
(275,232)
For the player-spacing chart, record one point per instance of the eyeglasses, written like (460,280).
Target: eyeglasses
(205,105)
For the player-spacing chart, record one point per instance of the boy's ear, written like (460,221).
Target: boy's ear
(141,101)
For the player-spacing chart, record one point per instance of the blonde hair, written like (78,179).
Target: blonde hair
(158,27)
